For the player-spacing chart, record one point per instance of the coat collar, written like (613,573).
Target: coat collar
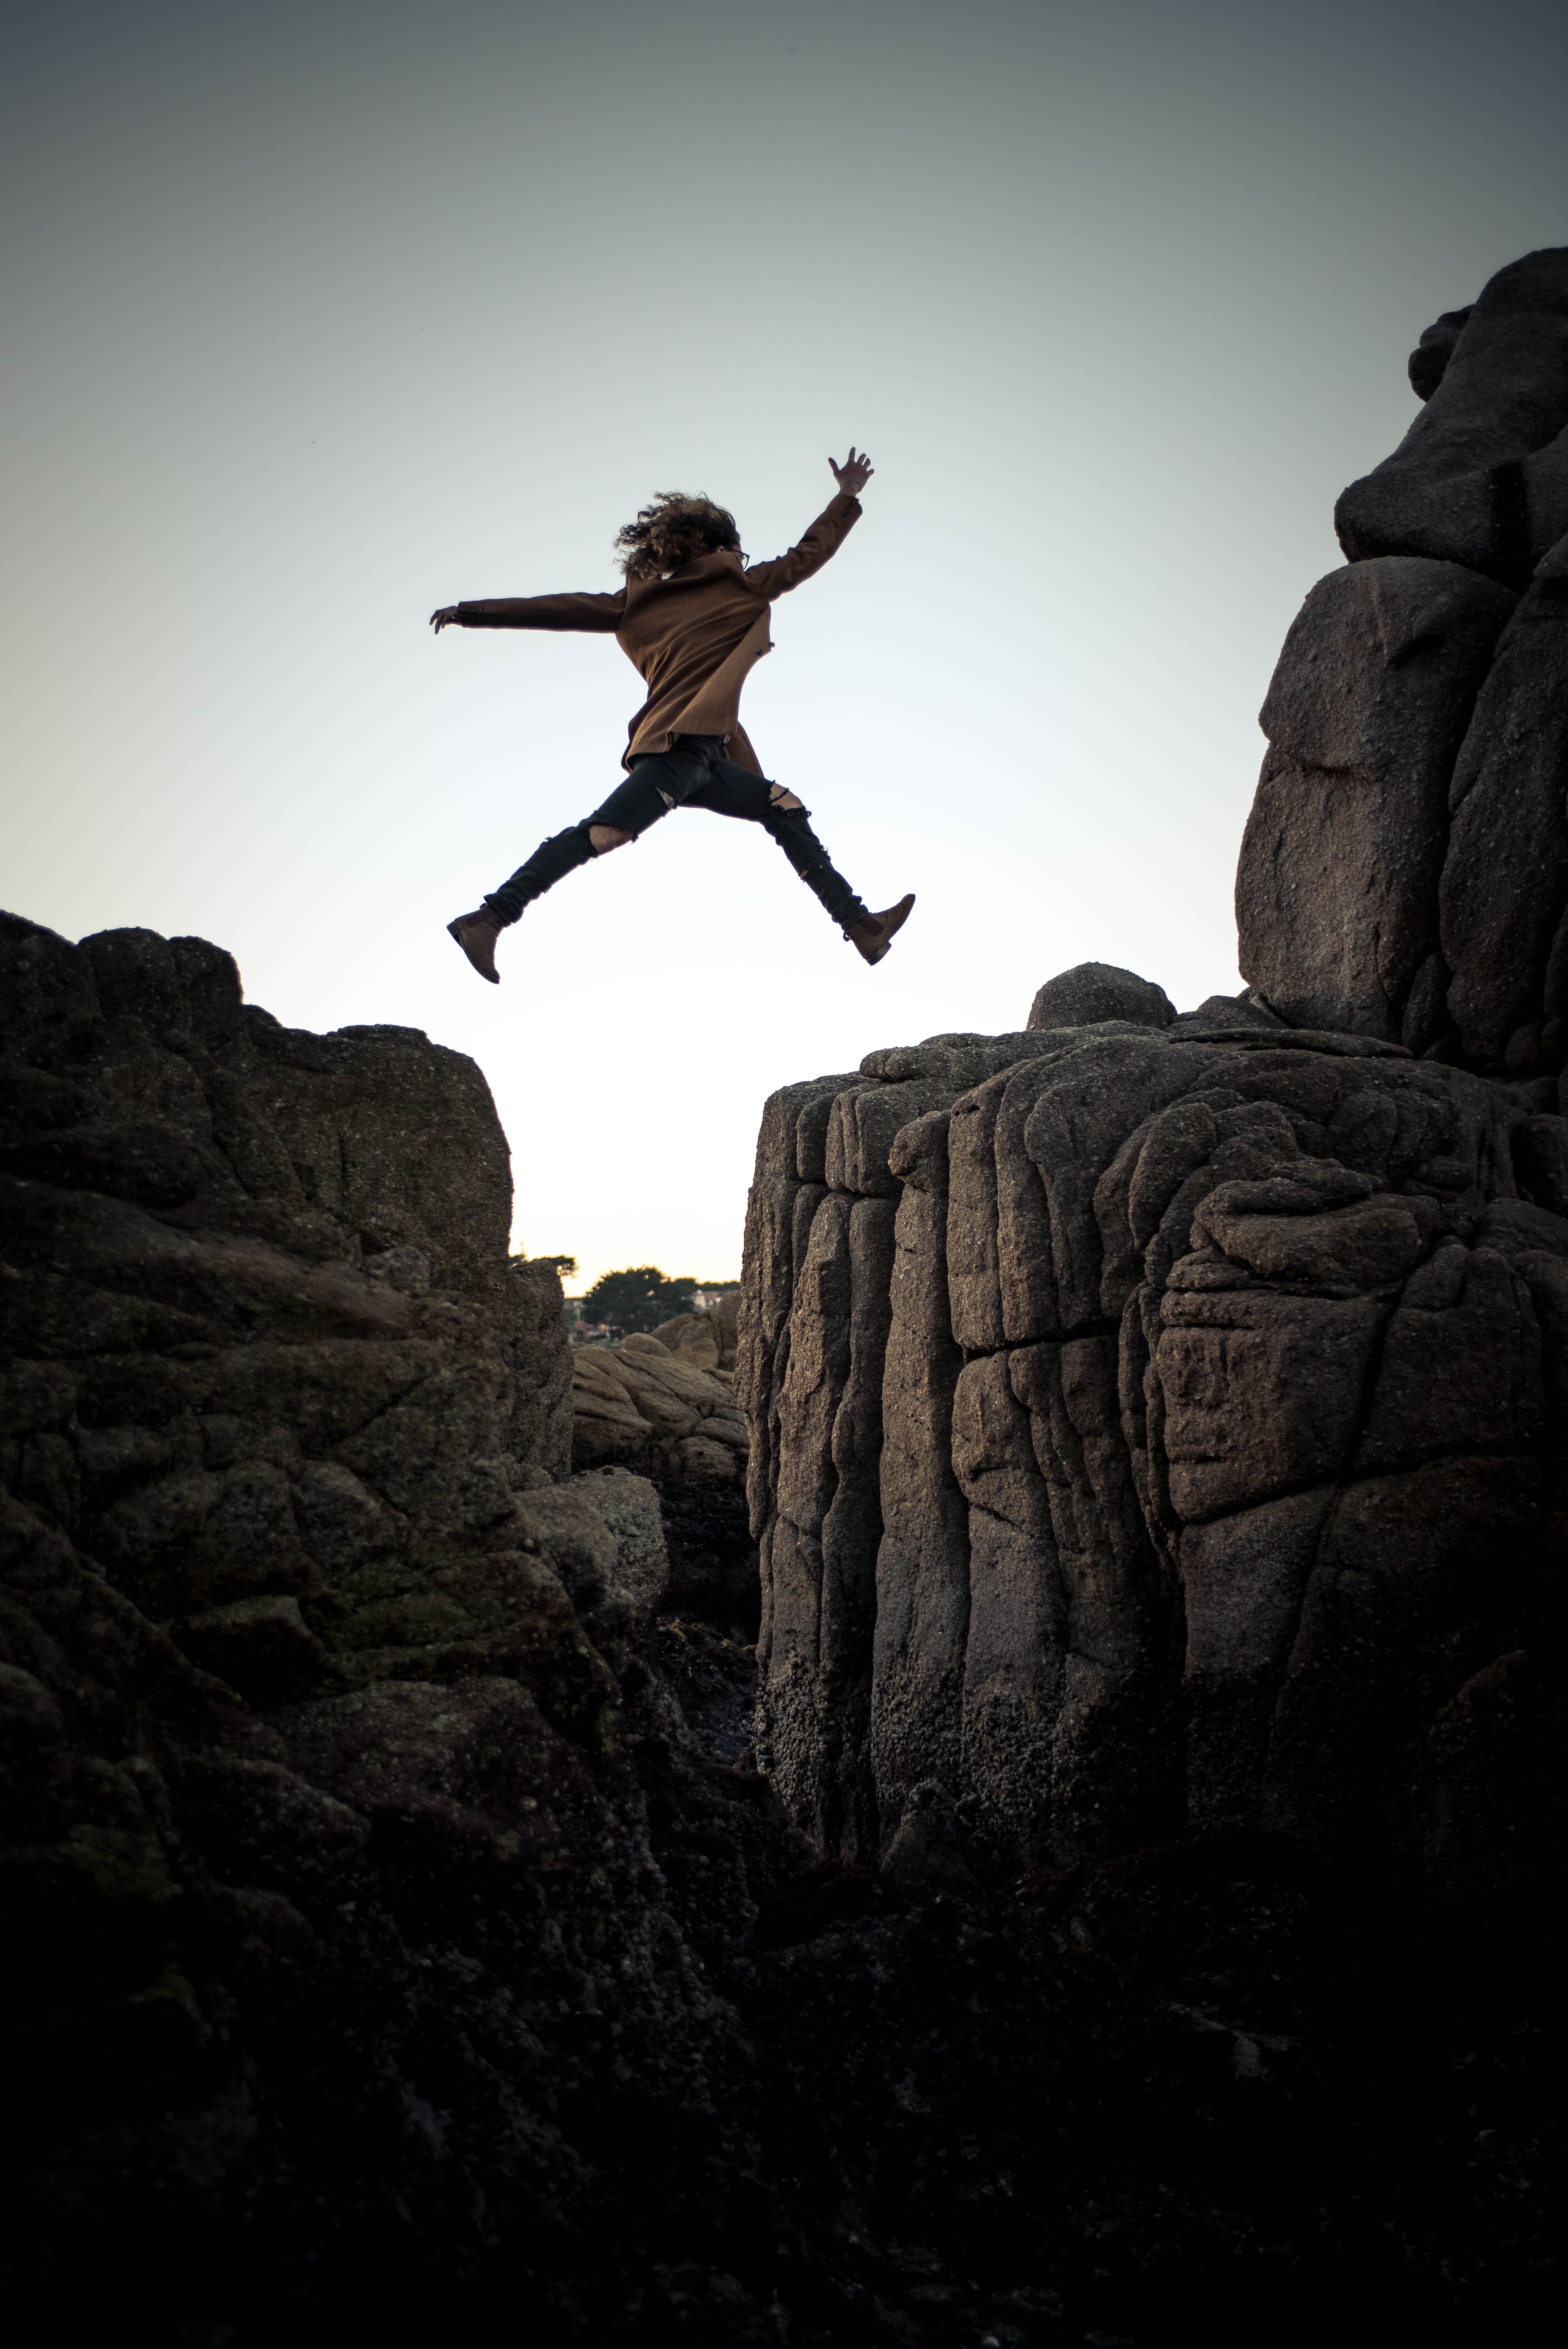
(723,561)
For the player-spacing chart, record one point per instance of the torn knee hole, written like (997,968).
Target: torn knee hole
(603,837)
(780,798)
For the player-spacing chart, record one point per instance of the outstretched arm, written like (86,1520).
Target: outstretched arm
(824,538)
(598,614)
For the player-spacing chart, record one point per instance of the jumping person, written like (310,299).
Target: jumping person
(692,618)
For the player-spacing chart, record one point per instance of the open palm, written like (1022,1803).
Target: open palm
(852,475)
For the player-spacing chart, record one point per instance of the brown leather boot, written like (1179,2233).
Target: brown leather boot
(872,937)
(477,933)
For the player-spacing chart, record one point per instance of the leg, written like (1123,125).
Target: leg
(626,815)
(735,791)
(631,808)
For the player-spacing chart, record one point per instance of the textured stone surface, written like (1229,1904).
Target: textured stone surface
(1100,991)
(1337,890)
(705,1341)
(1482,476)
(1505,881)
(1405,869)
(1220,1416)
(654,1408)
(330,1883)
(399,1934)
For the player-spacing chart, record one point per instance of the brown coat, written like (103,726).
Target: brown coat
(692,637)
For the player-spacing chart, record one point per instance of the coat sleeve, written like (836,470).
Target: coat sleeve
(598,614)
(824,538)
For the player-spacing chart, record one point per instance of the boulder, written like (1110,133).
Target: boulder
(1214,1378)
(1337,886)
(1093,991)
(646,1406)
(1482,476)
(1504,889)
(317,1669)
(705,1341)
(1404,872)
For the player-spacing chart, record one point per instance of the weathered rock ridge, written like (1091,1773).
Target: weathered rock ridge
(663,1409)
(333,1899)
(1404,872)
(1159,1423)
(1161,1431)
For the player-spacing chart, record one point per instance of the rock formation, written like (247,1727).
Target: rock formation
(1159,1423)
(1162,1428)
(664,1403)
(1405,870)
(1156,1446)
(706,1340)
(317,1680)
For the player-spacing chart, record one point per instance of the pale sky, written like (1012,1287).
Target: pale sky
(321,316)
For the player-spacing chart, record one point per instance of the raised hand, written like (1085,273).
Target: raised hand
(852,475)
(447,617)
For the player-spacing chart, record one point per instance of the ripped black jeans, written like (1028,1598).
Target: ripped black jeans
(695,773)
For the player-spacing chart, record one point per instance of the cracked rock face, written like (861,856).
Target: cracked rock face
(1404,872)
(329,1879)
(269,1368)
(1162,1431)
(659,1409)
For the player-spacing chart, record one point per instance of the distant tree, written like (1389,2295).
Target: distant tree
(641,1298)
(560,1264)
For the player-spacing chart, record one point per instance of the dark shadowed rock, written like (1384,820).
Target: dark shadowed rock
(1093,991)
(1429,361)
(1505,881)
(1482,476)
(262,1647)
(1336,889)
(1404,872)
(317,1679)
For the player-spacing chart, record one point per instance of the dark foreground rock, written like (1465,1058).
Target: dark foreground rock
(1482,476)
(400,1938)
(336,1935)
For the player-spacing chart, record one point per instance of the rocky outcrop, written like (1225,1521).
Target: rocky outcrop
(1157,1449)
(1158,1422)
(1404,872)
(707,1340)
(1161,1430)
(663,1403)
(330,1884)
(1481,477)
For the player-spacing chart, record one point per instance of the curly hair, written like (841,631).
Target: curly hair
(673,530)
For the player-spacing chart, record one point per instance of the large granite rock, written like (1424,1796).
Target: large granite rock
(1504,890)
(1404,872)
(1482,476)
(1161,1430)
(1341,863)
(330,1888)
